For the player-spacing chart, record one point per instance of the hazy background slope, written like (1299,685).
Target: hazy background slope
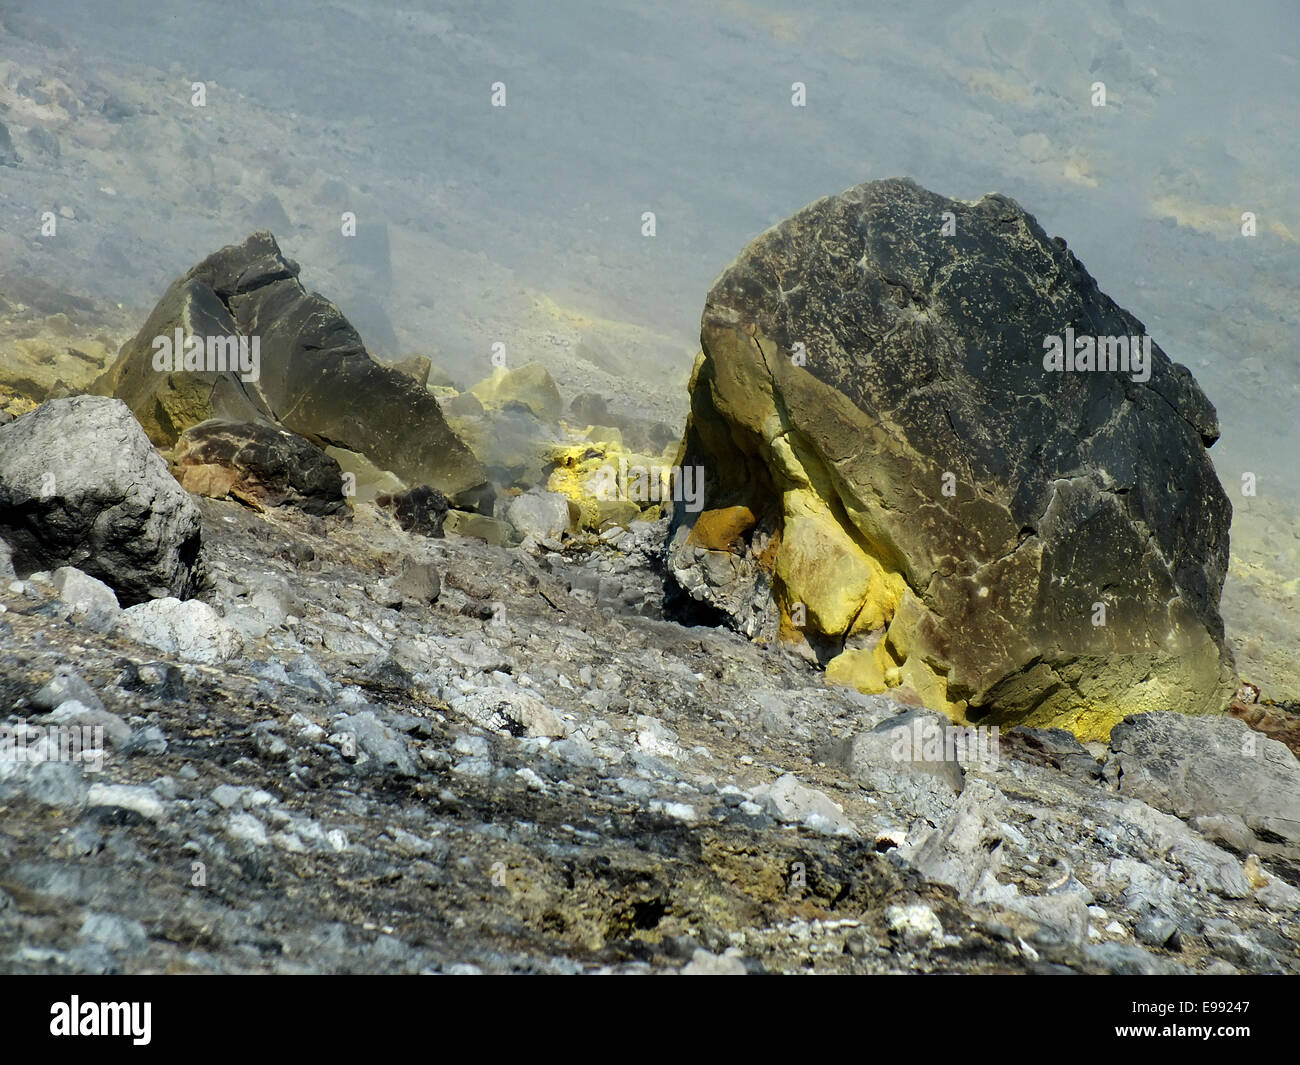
(479,224)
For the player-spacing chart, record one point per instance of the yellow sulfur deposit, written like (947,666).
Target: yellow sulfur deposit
(530,385)
(722,529)
(829,566)
(820,566)
(575,466)
(602,478)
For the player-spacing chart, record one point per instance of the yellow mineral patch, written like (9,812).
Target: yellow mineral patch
(1218,220)
(786,463)
(820,565)
(1101,705)
(367,480)
(15,403)
(843,588)
(907,616)
(932,686)
(722,529)
(891,664)
(881,601)
(861,668)
(1090,696)
(575,467)
(530,385)
(588,473)
(584,321)
(186,402)
(605,434)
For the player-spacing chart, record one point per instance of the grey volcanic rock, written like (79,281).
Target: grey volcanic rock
(912,743)
(946,510)
(379,742)
(418,582)
(87,597)
(8,154)
(191,631)
(967,848)
(64,686)
(80,485)
(314,375)
(539,514)
(259,464)
(1211,767)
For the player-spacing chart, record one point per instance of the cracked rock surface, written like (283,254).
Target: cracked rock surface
(933,509)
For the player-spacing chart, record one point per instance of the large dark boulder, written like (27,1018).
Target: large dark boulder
(312,373)
(935,507)
(80,485)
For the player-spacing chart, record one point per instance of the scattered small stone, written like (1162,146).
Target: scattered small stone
(140,800)
(66,685)
(704,963)
(245,828)
(1157,931)
(75,713)
(114,932)
(916,925)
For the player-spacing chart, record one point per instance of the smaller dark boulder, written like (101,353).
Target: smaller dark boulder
(422,510)
(258,464)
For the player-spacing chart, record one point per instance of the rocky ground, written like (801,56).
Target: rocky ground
(382,752)
(362,749)
(522,226)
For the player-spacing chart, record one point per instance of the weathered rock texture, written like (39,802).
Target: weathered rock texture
(422,510)
(315,375)
(933,509)
(652,793)
(258,464)
(110,509)
(1212,769)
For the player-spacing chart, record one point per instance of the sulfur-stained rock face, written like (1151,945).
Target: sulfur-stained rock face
(937,506)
